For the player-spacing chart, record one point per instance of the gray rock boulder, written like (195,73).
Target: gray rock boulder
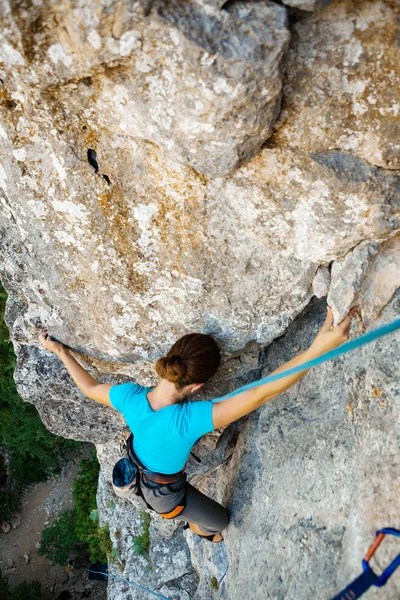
(367,276)
(321,282)
(205,87)
(341,83)
(5,527)
(15,521)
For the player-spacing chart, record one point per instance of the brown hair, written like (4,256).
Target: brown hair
(194,358)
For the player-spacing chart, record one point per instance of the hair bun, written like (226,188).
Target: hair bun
(172,367)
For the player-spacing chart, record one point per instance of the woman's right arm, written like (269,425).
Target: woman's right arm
(234,408)
(85,382)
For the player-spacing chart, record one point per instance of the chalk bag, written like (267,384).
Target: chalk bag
(125,477)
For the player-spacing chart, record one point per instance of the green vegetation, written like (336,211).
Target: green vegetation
(27,591)
(214,585)
(24,591)
(87,527)
(76,533)
(141,543)
(4,587)
(59,542)
(35,453)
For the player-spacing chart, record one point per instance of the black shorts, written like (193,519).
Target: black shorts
(210,516)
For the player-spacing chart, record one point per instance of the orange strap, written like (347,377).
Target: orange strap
(374,546)
(174,513)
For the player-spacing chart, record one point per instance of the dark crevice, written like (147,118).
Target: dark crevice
(86,81)
(106,177)
(228,5)
(92,159)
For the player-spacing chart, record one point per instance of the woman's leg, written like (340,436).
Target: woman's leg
(205,516)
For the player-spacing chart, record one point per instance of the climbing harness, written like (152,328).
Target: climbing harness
(368,578)
(129,475)
(130,583)
(367,338)
(151,475)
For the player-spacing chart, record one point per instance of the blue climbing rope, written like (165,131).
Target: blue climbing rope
(129,583)
(367,338)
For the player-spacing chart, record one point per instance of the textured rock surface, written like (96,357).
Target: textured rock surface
(315,472)
(367,276)
(206,87)
(307,4)
(342,83)
(321,282)
(134,208)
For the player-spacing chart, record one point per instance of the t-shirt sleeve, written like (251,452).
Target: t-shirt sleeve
(126,398)
(197,419)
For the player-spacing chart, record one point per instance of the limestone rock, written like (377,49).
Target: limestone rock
(5,527)
(381,281)
(206,87)
(113,237)
(15,521)
(211,560)
(307,4)
(367,276)
(79,587)
(347,274)
(342,82)
(321,282)
(212,4)
(301,4)
(275,220)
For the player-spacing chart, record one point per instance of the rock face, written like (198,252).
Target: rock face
(205,87)
(315,470)
(342,82)
(154,181)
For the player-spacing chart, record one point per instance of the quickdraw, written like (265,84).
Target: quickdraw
(368,578)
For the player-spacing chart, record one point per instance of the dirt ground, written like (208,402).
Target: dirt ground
(41,504)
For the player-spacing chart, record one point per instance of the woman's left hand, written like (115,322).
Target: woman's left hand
(50,344)
(330,336)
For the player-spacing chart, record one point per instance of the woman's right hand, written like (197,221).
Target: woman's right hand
(49,344)
(330,337)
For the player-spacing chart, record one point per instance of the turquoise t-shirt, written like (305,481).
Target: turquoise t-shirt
(163,438)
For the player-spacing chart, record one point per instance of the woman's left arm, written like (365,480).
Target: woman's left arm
(243,403)
(85,382)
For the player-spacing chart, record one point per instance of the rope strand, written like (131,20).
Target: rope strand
(129,583)
(367,338)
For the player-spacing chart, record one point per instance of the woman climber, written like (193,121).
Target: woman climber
(165,426)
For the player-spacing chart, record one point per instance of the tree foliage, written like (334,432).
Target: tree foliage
(27,590)
(35,452)
(76,532)
(84,495)
(60,542)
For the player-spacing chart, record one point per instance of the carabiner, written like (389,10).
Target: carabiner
(380,535)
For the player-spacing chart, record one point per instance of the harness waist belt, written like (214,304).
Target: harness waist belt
(151,475)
